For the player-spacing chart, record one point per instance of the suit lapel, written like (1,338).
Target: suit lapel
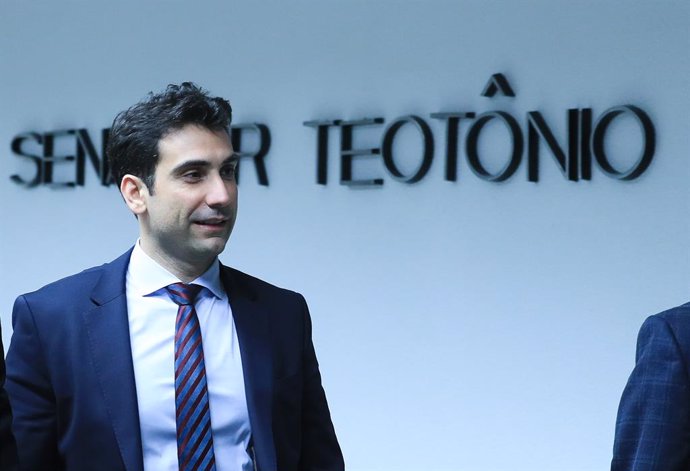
(108,330)
(253,332)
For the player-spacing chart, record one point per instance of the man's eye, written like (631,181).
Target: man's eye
(228,172)
(192,175)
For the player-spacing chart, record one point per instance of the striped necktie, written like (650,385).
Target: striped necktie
(194,434)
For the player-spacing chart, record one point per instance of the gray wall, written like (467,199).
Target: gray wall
(460,325)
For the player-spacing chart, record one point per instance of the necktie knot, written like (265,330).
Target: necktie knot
(183,294)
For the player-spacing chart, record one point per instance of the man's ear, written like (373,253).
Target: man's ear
(135,193)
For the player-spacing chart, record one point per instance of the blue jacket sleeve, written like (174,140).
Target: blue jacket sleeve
(8,452)
(31,395)
(320,449)
(653,425)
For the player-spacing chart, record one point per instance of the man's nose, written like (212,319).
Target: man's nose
(220,191)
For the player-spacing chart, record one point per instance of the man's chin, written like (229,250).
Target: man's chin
(212,247)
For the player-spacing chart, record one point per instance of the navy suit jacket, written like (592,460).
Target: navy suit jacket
(653,426)
(8,453)
(71,383)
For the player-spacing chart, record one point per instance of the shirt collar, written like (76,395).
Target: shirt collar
(146,277)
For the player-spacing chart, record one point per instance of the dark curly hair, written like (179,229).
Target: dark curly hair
(133,142)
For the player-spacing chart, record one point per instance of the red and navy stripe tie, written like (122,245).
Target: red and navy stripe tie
(194,434)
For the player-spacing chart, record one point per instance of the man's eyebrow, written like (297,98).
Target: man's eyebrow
(190,164)
(199,163)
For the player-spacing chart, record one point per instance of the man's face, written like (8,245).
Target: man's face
(190,213)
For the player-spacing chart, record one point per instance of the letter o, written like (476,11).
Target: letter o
(597,143)
(387,148)
(471,146)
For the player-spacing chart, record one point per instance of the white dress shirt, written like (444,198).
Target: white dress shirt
(152,331)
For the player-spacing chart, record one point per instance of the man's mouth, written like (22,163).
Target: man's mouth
(212,222)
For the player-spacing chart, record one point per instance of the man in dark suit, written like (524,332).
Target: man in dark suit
(8,453)
(653,426)
(165,359)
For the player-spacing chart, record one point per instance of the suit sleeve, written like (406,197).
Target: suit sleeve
(8,451)
(653,426)
(31,395)
(320,449)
